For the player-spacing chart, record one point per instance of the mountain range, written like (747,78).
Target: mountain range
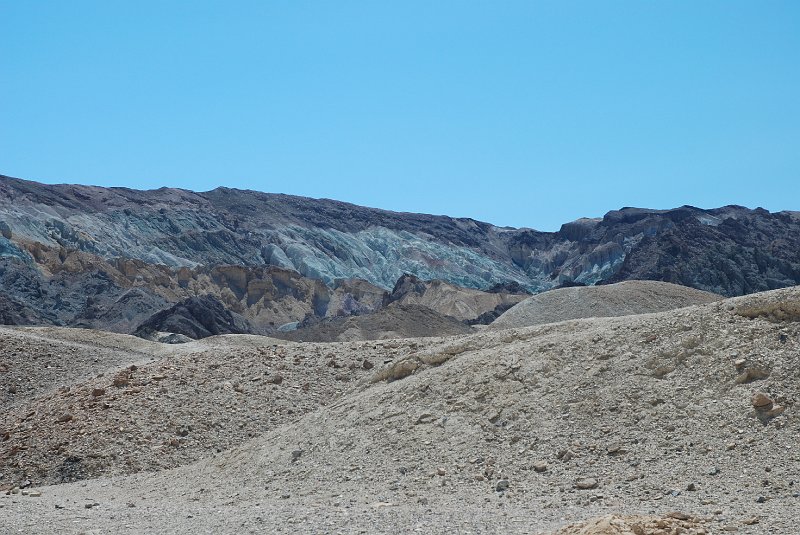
(141,261)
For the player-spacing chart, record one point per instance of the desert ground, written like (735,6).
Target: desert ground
(675,422)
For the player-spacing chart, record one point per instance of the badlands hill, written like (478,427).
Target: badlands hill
(674,422)
(393,321)
(621,299)
(110,258)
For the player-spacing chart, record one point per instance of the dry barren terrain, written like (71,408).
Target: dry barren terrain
(682,421)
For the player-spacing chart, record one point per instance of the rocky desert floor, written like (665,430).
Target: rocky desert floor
(677,422)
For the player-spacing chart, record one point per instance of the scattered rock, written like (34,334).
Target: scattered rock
(425,418)
(751,374)
(275,379)
(565,455)
(586,483)
(761,401)
(97,392)
(122,379)
(502,485)
(679,515)
(540,466)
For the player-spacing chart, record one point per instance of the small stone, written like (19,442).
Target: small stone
(440,471)
(424,418)
(761,499)
(586,483)
(121,379)
(750,521)
(502,485)
(97,392)
(35,494)
(776,410)
(540,466)
(751,374)
(275,379)
(761,401)
(66,417)
(367,365)
(566,455)
(296,454)
(615,449)
(691,487)
(677,515)
(739,363)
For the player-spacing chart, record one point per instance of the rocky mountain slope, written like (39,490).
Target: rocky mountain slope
(675,422)
(730,250)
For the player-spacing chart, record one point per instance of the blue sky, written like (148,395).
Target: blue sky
(518,113)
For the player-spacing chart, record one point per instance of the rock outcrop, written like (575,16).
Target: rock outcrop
(196,317)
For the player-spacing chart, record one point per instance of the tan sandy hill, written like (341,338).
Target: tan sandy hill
(620,299)
(450,300)
(393,321)
(675,422)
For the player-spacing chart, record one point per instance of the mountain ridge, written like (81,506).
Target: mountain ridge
(69,254)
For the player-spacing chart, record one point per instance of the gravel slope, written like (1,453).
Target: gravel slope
(621,299)
(509,431)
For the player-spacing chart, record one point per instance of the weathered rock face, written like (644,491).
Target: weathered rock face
(730,250)
(58,286)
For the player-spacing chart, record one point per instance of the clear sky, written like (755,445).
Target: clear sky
(528,113)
